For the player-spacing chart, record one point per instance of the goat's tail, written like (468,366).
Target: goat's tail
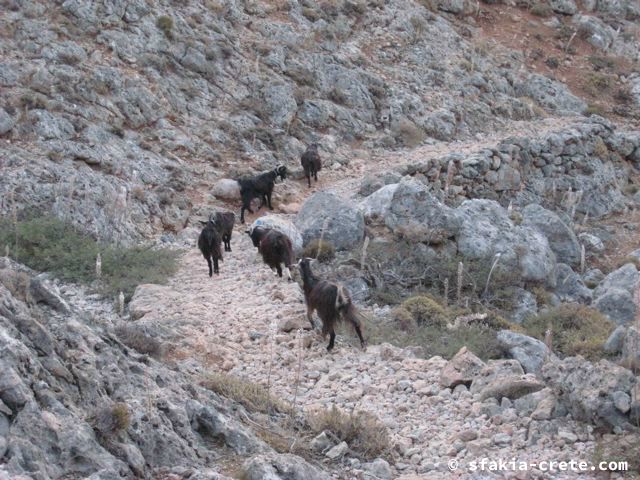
(350,313)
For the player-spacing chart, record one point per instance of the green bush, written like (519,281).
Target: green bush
(575,329)
(323,250)
(165,24)
(50,245)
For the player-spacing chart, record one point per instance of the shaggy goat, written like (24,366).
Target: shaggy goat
(209,244)
(260,186)
(310,162)
(275,248)
(331,301)
(224,223)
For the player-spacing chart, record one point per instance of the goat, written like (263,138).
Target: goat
(331,301)
(224,222)
(209,244)
(310,162)
(275,248)
(260,186)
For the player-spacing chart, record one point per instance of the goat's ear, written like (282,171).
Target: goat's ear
(202,223)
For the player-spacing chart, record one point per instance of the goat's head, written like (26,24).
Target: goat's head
(313,147)
(281,171)
(210,221)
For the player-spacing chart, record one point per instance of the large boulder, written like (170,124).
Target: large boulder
(227,189)
(530,352)
(504,378)
(587,389)
(344,223)
(414,208)
(283,225)
(562,240)
(570,287)
(487,232)
(376,205)
(614,296)
(595,31)
(551,95)
(461,369)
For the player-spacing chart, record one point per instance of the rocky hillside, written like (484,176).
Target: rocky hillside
(478,198)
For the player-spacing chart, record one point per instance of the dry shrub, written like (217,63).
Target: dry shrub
(111,419)
(596,83)
(362,431)
(600,148)
(252,396)
(408,133)
(577,329)
(323,250)
(165,24)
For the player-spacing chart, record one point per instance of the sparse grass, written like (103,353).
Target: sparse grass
(577,329)
(543,297)
(422,321)
(111,419)
(596,83)
(165,24)
(323,250)
(541,9)
(134,337)
(408,133)
(594,109)
(51,245)
(362,431)
(252,396)
(602,63)
(477,337)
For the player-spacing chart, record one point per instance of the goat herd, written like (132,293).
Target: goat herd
(331,301)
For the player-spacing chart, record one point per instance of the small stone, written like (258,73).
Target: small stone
(501,439)
(567,436)
(468,435)
(338,451)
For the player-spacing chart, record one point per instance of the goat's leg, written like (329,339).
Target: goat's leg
(215,266)
(210,269)
(332,338)
(269,199)
(279,270)
(309,180)
(289,277)
(310,318)
(242,214)
(363,342)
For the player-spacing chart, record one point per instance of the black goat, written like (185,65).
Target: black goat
(260,186)
(209,244)
(331,301)
(275,248)
(310,162)
(224,223)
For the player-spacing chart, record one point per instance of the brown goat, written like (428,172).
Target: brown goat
(311,163)
(331,301)
(275,248)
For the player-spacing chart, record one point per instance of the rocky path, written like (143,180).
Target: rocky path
(251,324)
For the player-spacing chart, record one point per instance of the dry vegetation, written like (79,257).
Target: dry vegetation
(576,330)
